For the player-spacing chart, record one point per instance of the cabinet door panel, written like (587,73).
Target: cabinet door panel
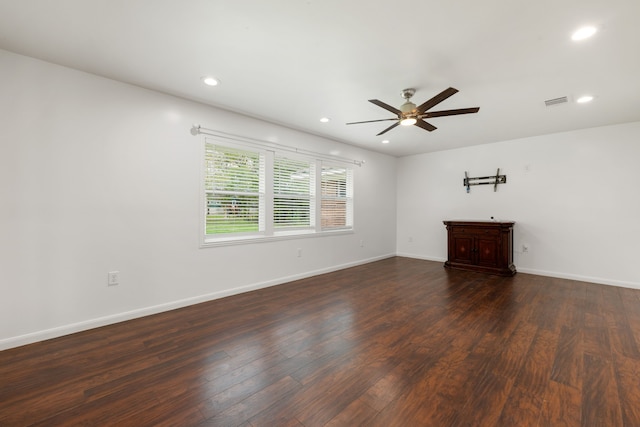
(488,252)
(462,249)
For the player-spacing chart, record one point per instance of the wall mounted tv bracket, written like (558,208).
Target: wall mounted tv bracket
(484,180)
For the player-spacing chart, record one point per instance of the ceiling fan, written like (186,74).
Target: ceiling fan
(410,114)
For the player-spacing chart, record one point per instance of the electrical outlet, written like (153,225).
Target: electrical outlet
(361,243)
(525,248)
(113,278)
(299,252)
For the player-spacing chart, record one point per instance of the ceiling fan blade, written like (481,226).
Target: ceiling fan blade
(386,106)
(426,126)
(371,121)
(436,99)
(389,128)
(450,112)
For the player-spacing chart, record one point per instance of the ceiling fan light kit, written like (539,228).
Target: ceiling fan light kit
(410,114)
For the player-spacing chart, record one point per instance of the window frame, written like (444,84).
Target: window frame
(347,198)
(269,232)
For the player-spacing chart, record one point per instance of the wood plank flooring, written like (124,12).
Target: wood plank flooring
(399,342)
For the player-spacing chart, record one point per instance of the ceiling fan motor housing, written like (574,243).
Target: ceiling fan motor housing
(408,106)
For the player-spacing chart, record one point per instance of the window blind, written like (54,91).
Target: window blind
(235,190)
(293,188)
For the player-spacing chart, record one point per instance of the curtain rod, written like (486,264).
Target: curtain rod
(197,130)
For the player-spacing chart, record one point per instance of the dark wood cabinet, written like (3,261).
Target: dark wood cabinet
(485,246)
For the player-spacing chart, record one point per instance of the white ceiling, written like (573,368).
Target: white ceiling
(294,61)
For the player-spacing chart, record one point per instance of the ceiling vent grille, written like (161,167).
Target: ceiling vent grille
(556,101)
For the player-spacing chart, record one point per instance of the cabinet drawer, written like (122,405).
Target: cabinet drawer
(475,232)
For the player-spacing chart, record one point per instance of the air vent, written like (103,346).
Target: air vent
(556,101)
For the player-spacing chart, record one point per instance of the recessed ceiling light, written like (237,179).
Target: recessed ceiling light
(210,81)
(583,33)
(584,99)
(325,120)
(385,141)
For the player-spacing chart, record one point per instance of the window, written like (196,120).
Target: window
(234,187)
(337,197)
(293,190)
(257,192)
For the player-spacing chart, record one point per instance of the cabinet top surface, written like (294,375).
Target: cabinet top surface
(477,222)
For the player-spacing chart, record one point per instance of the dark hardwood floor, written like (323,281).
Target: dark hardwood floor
(399,342)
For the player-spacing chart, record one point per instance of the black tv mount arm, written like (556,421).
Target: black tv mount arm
(484,180)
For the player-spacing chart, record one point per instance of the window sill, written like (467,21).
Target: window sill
(243,240)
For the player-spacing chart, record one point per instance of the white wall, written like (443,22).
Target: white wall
(97,175)
(575,197)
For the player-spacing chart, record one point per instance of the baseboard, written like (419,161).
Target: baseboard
(578,277)
(559,275)
(416,256)
(46,334)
